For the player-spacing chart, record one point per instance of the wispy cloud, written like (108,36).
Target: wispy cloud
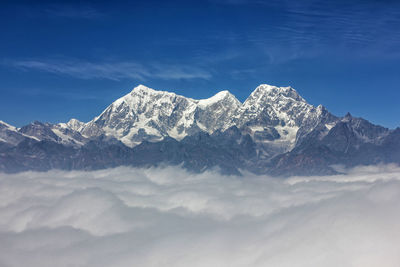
(59,10)
(112,70)
(317,27)
(69,11)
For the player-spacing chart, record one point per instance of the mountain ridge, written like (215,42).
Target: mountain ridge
(273,131)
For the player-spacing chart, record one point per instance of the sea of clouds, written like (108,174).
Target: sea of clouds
(169,217)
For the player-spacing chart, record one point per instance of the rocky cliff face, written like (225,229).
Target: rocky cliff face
(274,131)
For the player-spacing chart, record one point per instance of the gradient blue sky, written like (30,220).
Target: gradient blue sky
(67,59)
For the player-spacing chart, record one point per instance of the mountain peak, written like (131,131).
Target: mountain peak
(144,91)
(223,93)
(75,124)
(274,91)
(142,88)
(266,93)
(348,115)
(267,87)
(36,122)
(73,120)
(219,97)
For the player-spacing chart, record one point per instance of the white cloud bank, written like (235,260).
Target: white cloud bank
(168,217)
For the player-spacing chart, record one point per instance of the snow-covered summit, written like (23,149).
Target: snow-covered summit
(217,98)
(142,87)
(72,124)
(272,91)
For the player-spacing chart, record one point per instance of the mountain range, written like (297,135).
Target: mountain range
(274,131)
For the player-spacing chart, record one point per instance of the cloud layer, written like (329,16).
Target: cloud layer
(168,217)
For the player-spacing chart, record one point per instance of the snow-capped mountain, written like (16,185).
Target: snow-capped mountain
(274,130)
(147,114)
(72,124)
(271,115)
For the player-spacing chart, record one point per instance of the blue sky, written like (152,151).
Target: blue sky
(64,59)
